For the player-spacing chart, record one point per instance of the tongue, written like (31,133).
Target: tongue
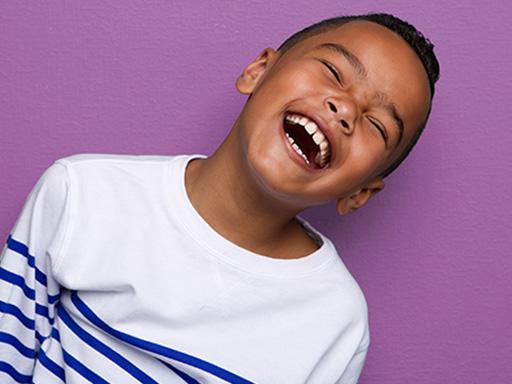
(303,140)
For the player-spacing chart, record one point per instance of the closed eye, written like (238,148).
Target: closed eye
(380,130)
(336,74)
(333,71)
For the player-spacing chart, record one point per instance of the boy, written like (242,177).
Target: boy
(172,269)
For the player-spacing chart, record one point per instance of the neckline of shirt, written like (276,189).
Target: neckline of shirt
(184,212)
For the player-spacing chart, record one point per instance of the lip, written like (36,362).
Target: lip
(293,154)
(322,126)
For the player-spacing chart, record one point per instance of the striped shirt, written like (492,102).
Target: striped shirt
(110,275)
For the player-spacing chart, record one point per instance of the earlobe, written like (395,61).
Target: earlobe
(348,204)
(359,198)
(253,73)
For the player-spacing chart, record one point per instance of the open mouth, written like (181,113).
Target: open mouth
(307,140)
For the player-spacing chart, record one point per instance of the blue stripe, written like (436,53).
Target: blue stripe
(43,311)
(22,348)
(19,281)
(95,378)
(41,277)
(29,292)
(77,365)
(82,369)
(188,379)
(15,311)
(103,348)
(11,371)
(156,348)
(55,334)
(51,365)
(40,337)
(22,249)
(53,298)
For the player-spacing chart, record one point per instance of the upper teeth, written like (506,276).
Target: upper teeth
(318,137)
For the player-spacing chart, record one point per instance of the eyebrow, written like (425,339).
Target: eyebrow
(363,73)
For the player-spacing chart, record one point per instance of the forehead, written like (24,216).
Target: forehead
(392,67)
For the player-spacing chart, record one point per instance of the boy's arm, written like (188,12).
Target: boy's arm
(28,290)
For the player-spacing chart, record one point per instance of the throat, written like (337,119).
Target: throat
(245,219)
(298,243)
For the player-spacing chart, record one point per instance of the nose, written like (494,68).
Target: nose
(344,111)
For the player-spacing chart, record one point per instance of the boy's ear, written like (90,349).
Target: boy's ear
(359,198)
(253,73)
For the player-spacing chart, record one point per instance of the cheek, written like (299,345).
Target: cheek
(366,154)
(297,81)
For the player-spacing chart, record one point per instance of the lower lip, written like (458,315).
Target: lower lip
(293,154)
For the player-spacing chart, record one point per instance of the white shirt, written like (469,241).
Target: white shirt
(111,275)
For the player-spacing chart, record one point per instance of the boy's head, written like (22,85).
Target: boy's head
(364,83)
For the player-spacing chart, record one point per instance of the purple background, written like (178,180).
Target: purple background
(432,252)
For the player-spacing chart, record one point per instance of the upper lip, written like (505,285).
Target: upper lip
(324,128)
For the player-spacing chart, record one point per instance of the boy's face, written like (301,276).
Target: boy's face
(345,110)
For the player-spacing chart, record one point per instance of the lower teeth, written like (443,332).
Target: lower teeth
(302,155)
(297,149)
(319,160)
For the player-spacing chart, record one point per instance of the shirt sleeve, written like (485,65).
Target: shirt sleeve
(354,368)
(28,290)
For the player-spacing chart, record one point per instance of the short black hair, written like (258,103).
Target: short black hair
(419,43)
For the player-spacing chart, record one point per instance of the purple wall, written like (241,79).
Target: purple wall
(432,252)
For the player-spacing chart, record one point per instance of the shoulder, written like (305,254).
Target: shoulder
(113,181)
(347,285)
(98,167)
(51,188)
(354,303)
(346,298)
(92,159)
(57,177)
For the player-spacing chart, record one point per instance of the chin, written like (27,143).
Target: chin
(276,178)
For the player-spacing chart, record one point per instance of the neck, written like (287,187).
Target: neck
(225,193)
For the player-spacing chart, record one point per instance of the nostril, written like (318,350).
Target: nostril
(333,107)
(344,123)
